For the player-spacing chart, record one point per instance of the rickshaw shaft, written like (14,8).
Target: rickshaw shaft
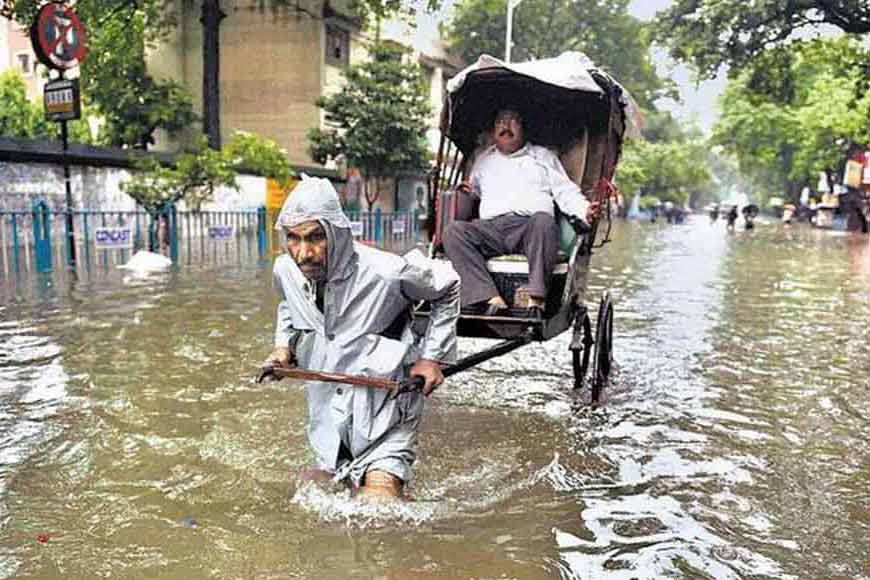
(484,355)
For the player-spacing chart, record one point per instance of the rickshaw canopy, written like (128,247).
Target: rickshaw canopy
(557,97)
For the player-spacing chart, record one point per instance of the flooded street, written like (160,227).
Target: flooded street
(733,444)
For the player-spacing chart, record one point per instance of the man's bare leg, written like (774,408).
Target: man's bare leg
(380,484)
(314,474)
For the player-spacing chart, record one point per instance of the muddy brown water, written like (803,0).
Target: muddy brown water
(733,443)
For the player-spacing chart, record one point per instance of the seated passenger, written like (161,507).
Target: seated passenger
(516,183)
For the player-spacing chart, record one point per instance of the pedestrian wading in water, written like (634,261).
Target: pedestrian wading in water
(345,308)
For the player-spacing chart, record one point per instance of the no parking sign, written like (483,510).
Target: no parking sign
(58,37)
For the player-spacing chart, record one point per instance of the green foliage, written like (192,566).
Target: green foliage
(661,126)
(115,83)
(18,116)
(783,134)
(670,164)
(380,117)
(602,29)
(133,103)
(21,118)
(649,201)
(712,33)
(756,133)
(373,11)
(251,152)
(670,171)
(194,179)
(197,174)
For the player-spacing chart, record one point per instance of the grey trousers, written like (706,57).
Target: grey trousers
(469,244)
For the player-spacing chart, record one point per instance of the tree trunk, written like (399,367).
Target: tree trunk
(371,196)
(211,60)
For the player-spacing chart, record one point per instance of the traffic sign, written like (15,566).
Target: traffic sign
(62,100)
(58,37)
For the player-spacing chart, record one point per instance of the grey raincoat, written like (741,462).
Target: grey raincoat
(363,330)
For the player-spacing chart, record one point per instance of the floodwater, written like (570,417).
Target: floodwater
(733,444)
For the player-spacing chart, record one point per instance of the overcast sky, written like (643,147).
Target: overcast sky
(698,100)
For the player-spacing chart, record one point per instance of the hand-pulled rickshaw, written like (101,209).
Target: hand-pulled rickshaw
(583,115)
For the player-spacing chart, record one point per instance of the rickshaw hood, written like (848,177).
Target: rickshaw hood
(569,70)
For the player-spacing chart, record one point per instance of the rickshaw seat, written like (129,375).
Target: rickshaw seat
(518,264)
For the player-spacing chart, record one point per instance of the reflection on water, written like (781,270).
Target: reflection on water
(733,444)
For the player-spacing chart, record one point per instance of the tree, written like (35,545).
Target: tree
(603,29)
(756,132)
(380,118)
(21,118)
(803,120)
(114,79)
(196,175)
(712,33)
(669,171)
(18,116)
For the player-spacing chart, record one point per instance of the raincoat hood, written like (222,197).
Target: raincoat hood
(316,199)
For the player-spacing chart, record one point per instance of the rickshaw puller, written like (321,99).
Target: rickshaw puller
(516,183)
(344,308)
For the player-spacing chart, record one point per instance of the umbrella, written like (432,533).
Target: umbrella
(750,210)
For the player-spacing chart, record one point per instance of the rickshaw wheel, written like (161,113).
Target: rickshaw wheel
(580,356)
(602,362)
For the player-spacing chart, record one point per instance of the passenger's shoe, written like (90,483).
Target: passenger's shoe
(490,308)
(535,312)
(535,309)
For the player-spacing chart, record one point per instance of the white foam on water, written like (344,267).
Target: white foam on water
(356,512)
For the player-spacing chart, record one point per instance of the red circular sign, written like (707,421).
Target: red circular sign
(58,37)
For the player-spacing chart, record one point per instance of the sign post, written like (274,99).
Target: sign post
(59,42)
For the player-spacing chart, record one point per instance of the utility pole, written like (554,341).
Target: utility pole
(508,43)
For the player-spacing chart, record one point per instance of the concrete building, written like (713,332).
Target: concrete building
(274,64)
(17,53)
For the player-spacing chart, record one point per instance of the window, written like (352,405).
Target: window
(24,64)
(337,46)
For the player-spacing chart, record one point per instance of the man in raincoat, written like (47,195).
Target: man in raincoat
(345,308)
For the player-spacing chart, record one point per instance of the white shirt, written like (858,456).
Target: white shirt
(525,182)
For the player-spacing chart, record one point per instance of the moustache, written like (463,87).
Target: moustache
(309,264)
(505,133)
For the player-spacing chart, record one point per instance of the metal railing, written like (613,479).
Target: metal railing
(39,240)
(387,230)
